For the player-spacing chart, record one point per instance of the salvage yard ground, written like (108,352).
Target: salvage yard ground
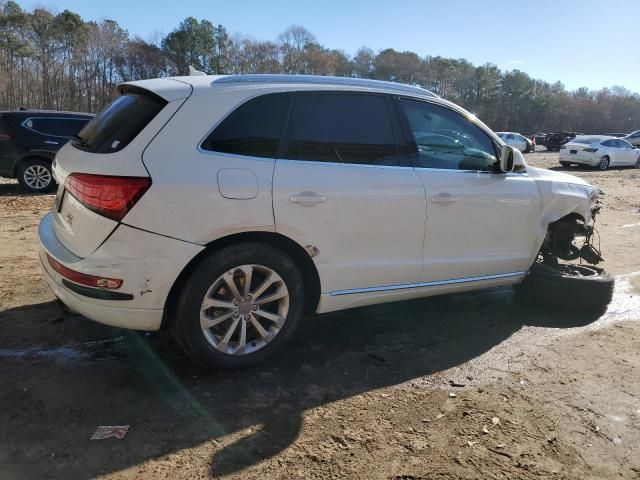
(461,386)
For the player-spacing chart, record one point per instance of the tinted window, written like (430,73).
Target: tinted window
(59,127)
(607,143)
(624,144)
(458,143)
(342,128)
(586,140)
(114,128)
(253,129)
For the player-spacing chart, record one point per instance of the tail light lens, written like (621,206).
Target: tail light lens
(109,196)
(4,136)
(590,150)
(83,278)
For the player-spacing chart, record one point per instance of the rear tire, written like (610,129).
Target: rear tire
(604,163)
(34,175)
(220,328)
(574,287)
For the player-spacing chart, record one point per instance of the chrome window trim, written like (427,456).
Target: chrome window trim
(23,124)
(425,284)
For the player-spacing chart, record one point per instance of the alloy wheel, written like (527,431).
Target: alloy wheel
(604,163)
(244,309)
(37,177)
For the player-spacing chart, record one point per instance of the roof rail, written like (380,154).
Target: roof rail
(320,79)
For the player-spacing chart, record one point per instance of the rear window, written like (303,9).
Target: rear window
(118,124)
(586,140)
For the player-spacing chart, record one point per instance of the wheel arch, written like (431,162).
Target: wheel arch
(283,243)
(31,156)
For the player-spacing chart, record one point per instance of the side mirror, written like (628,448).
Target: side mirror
(510,159)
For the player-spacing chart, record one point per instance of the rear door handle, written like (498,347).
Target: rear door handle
(307,198)
(50,142)
(444,199)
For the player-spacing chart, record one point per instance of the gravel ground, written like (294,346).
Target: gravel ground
(460,386)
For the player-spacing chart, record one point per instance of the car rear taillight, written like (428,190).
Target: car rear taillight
(590,150)
(4,136)
(109,196)
(83,278)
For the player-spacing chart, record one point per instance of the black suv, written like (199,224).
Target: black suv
(29,139)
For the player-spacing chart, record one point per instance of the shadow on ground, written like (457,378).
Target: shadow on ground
(53,402)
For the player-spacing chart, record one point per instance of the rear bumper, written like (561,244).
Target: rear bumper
(582,159)
(148,264)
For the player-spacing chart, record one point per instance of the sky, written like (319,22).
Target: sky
(580,43)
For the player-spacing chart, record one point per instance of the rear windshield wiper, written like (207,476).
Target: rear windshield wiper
(78,140)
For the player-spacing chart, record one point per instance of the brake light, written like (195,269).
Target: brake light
(4,136)
(109,196)
(83,278)
(590,150)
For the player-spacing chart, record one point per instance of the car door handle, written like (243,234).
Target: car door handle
(444,199)
(50,142)
(307,198)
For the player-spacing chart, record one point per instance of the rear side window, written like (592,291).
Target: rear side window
(341,128)
(118,124)
(56,127)
(253,129)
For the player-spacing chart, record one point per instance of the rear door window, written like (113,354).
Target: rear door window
(56,127)
(118,124)
(254,129)
(342,128)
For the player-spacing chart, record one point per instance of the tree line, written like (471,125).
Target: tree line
(59,61)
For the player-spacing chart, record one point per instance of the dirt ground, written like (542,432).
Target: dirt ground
(460,386)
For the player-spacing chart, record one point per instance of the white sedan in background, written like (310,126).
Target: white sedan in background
(599,151)
(516,140)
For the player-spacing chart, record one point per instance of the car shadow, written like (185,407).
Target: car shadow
(115,377)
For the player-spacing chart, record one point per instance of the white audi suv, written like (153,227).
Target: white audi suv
(226,207)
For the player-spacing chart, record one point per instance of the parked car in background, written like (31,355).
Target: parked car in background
(202,204)
(540,138)
(516,140)
(29,140)
(633,138)
(554,141)
(599,151)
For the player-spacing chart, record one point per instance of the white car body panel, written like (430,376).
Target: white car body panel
(378,236)
(488,229)
(369,229)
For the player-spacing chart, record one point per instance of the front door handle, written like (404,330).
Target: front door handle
(307,198)
(444,199)
(50,142)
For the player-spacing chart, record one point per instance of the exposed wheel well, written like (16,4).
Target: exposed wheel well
(285,244)
(31,156)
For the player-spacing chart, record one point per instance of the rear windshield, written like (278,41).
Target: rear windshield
(118,124)
(586,140)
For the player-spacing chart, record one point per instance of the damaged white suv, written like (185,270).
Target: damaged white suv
(225,207)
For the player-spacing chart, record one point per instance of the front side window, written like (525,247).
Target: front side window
(342,128)
(445,139)
(253,129)
(120,122)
